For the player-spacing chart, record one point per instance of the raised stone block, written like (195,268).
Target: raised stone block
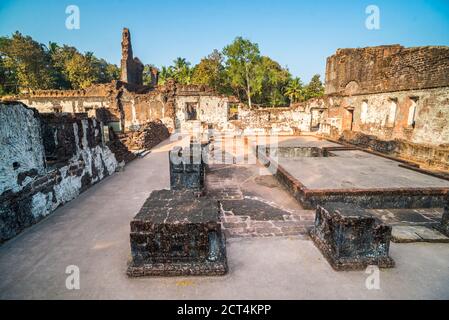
(177,233)
(186,168)
(350,238)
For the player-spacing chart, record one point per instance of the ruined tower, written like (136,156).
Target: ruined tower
(132,68)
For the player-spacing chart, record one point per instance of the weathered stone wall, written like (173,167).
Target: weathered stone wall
(416,116)
(386,69)
(68,104)
(46,161)
(22,152)
(101,101)
(210,109)
(139,109)
(301,117)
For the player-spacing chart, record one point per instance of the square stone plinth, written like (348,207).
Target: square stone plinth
(177,233)
(350,238)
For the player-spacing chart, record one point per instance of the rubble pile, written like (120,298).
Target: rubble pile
(120,151)
(148,136)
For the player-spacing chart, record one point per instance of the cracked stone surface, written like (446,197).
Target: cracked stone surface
(417,234)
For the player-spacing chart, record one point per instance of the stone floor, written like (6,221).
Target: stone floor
(413,225)
(356,169)
(254,203)
(92,232)
(348,169)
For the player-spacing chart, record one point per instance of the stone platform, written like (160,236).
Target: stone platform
(350,238)
(177,233)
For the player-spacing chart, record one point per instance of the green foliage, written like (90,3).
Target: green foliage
(295,90)
(241,70)
(179,71)
(211,72)
(165,74)
(182,72)
(315,88)
(242,60)
(238,69)
(28,65)
(270,81)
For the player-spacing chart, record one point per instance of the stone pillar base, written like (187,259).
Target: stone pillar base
(350,238)
(177,233)
(218,267)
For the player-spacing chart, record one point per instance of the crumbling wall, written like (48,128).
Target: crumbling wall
(301,117)
(386,69)
(417,116)
(32,187)
(22,152)
(210,109)
(140,109)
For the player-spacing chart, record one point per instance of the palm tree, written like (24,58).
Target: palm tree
(294,90)
(52,47)
(165,74)
(182,71)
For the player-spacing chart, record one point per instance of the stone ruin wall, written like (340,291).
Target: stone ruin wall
(211,110)
(371,91)
(394,96)
(386,69)
(302,117)
(46,161)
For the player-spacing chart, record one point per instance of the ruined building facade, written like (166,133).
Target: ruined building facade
(56,143)
(392,99)
(126,105)
(388,98)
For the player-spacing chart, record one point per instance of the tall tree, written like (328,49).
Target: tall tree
(242,57)
(165,74)
(29,61)
(270,82)
(211,72)
(182,71)
(315,88)
(81,71)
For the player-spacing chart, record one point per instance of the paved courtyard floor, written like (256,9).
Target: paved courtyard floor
(92,232)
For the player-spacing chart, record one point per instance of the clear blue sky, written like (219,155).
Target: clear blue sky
(298,34)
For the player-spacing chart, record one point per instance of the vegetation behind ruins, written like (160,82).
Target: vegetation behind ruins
(239,69)
(26,64)
(242,70)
